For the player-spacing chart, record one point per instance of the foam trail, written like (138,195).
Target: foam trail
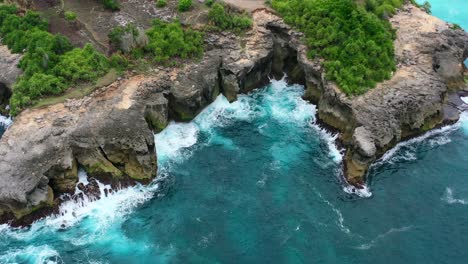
(449,198)
(410,143)
(372,243)
(340,221)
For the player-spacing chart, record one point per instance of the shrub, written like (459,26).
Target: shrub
(356,44)
(225,21)
(209,3)
(70,16)
(115,36)
(161,3)
(84,64)
(455,26)
(427,7)
(168,40)
(118,62)
(27,89)
(112,5)
(184,5)
(49,63)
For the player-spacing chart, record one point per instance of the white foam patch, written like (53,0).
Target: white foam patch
(463,122)
(31,254)
(289,108)
(464,99)
(450,199)
(335,153)
(174,139)
(380,237)
(363,192)
(5,121)
(104,211)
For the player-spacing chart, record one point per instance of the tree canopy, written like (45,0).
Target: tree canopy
(355,39)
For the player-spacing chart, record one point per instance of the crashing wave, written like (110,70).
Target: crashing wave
(31,254)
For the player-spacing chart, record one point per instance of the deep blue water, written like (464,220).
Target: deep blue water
(257,181)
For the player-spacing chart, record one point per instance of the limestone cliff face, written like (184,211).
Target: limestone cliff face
(110,133)
(9,72)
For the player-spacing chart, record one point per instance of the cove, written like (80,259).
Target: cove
(257,181)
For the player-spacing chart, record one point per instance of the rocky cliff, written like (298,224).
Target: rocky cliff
(110,132)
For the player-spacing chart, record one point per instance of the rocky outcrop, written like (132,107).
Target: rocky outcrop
(110,133)
(106,134)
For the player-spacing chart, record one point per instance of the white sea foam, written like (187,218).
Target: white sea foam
(174,139)
(449,198)
(436,137)
(372,243)
(335,153)
(464,122)
(31,254)
(5,121)
(363,192)
(464,99)
(104,211)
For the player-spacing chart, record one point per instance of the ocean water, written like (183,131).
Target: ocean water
(453,11)
(257,181)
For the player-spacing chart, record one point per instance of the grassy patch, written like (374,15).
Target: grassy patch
(80,90)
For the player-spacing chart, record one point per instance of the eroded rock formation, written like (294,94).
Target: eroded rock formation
(110,133)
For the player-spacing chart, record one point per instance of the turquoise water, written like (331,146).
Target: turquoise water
(257,181)
(454,11)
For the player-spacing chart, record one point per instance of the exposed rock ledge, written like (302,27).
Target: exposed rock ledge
(110,133)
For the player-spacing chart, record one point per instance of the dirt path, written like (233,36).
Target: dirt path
(249,5)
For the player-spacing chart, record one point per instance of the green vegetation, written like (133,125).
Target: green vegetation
(112,5)
(455,26)
(426,7)
(223,20)
(50,64)
(168,40)
(70,16)
(353,37)
(184,5)
(209,3)
(115,36)
(161,3)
